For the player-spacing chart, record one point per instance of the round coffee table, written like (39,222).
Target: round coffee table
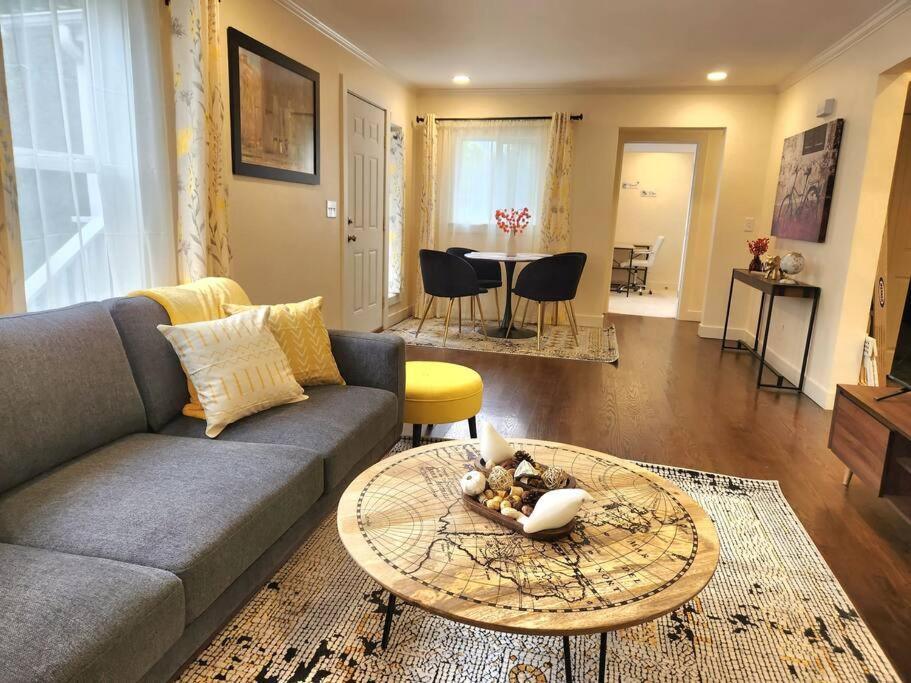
(642,549)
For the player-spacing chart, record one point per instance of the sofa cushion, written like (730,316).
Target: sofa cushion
(156,368)
(70,618)
(204,510)
(66,388)
(341,423)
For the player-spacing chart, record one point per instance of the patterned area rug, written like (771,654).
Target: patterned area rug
(772,612)
(594,344)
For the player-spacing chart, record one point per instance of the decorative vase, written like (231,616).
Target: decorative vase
(511,244)
(756,264)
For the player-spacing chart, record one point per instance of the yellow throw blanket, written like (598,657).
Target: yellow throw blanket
(193,303)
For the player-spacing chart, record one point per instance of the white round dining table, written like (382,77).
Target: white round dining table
(509,265)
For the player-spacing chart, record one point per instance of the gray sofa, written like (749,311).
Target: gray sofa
(127,538)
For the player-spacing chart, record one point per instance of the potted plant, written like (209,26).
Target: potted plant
(513,222)
(757,247)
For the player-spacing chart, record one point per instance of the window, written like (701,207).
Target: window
(87,116)
(485,166)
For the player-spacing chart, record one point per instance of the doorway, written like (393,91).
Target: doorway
(365,204)
(653,218)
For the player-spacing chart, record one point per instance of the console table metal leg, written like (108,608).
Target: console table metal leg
(387,622)
(727,315)
(602,658)
(567,663)
(758,322)
(765,339)
(806,348)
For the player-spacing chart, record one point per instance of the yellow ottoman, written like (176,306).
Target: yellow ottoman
(440,393)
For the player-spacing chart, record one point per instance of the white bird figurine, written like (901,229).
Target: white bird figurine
(554,509)
(494,448)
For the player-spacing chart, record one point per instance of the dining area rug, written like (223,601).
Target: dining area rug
(772,612)
(595,344)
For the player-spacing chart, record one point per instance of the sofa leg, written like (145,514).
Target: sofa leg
(473,427)
(415,436)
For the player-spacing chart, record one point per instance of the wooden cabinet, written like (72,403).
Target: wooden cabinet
(873,439)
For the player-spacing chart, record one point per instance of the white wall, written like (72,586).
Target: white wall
(844,266)
(666,170)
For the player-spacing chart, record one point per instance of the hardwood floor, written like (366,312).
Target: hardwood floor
(675,399)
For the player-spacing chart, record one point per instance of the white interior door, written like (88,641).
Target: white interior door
(366,207)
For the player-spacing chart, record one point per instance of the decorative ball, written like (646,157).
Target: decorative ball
(792,263)
(554,477)
(499,479)
(473,483)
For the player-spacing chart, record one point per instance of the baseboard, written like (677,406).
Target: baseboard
(717,331)
(590,320)
(396,316)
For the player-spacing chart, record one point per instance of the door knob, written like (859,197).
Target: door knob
(350,222)
(352,238)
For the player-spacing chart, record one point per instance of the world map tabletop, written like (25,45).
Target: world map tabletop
(641,549)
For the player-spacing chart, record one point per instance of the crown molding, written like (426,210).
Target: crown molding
(294,8)
(891,11)
(603,90)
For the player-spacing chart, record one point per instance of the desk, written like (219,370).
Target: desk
(509,265)
(771,289)
(619,285)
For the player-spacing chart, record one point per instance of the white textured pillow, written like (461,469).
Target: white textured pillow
(236,366)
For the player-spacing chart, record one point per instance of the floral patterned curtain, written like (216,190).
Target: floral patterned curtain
(427,215)
(12,291)
(555,224)
(202,221)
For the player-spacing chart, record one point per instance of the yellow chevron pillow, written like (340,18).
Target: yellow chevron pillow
(303,336)
(235,365)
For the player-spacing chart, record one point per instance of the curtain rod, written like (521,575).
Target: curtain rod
(574,117)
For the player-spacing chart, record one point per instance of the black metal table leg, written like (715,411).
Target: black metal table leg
(806,348)
(387,622)
(758,322)
(727,315)
(602,658)
(567,664)
(765,339)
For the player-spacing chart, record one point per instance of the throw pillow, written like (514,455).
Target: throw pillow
(302,335)
(235,365)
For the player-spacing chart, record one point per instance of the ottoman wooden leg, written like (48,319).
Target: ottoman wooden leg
(415,435)
(473,427)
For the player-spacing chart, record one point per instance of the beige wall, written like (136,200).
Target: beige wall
(844,266)
(640,220)
(284,248)
(746,118)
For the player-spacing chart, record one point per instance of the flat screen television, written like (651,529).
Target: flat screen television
(901,362)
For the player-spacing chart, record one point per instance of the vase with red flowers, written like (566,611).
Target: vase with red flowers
(513,222)
(757,247)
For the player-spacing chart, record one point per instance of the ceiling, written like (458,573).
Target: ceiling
(592,43)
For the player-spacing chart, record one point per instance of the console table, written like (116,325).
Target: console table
(772,289)
(873,439)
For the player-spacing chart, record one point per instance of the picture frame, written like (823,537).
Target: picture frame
(806,182)
(274,111)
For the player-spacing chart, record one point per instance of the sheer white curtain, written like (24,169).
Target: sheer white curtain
(86,95)
(485,166)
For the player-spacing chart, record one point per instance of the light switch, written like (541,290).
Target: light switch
(331,209)
(749,224)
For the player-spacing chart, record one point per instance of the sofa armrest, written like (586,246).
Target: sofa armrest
(367,359)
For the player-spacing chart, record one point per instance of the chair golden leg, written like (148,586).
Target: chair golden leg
(569,319)
(496,299)
(515,313)
(572,311)
(424,317)
(556,314)
(448,318)
(481,314)
(540,323)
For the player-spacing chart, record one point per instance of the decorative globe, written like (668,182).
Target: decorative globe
(792,263)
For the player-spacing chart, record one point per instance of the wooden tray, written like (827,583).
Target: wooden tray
(474,505)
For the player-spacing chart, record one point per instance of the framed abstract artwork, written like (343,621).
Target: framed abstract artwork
(274,113)
(805,183)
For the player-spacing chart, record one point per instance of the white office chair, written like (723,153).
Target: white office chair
(640,261)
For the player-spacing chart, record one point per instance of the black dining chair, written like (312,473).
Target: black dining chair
(551,280)
(452,277)
(488,272)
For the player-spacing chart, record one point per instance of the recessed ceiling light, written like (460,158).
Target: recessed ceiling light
(717,75)
(461,79)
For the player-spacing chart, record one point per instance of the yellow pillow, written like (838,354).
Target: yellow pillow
(303,336)
(235,365)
